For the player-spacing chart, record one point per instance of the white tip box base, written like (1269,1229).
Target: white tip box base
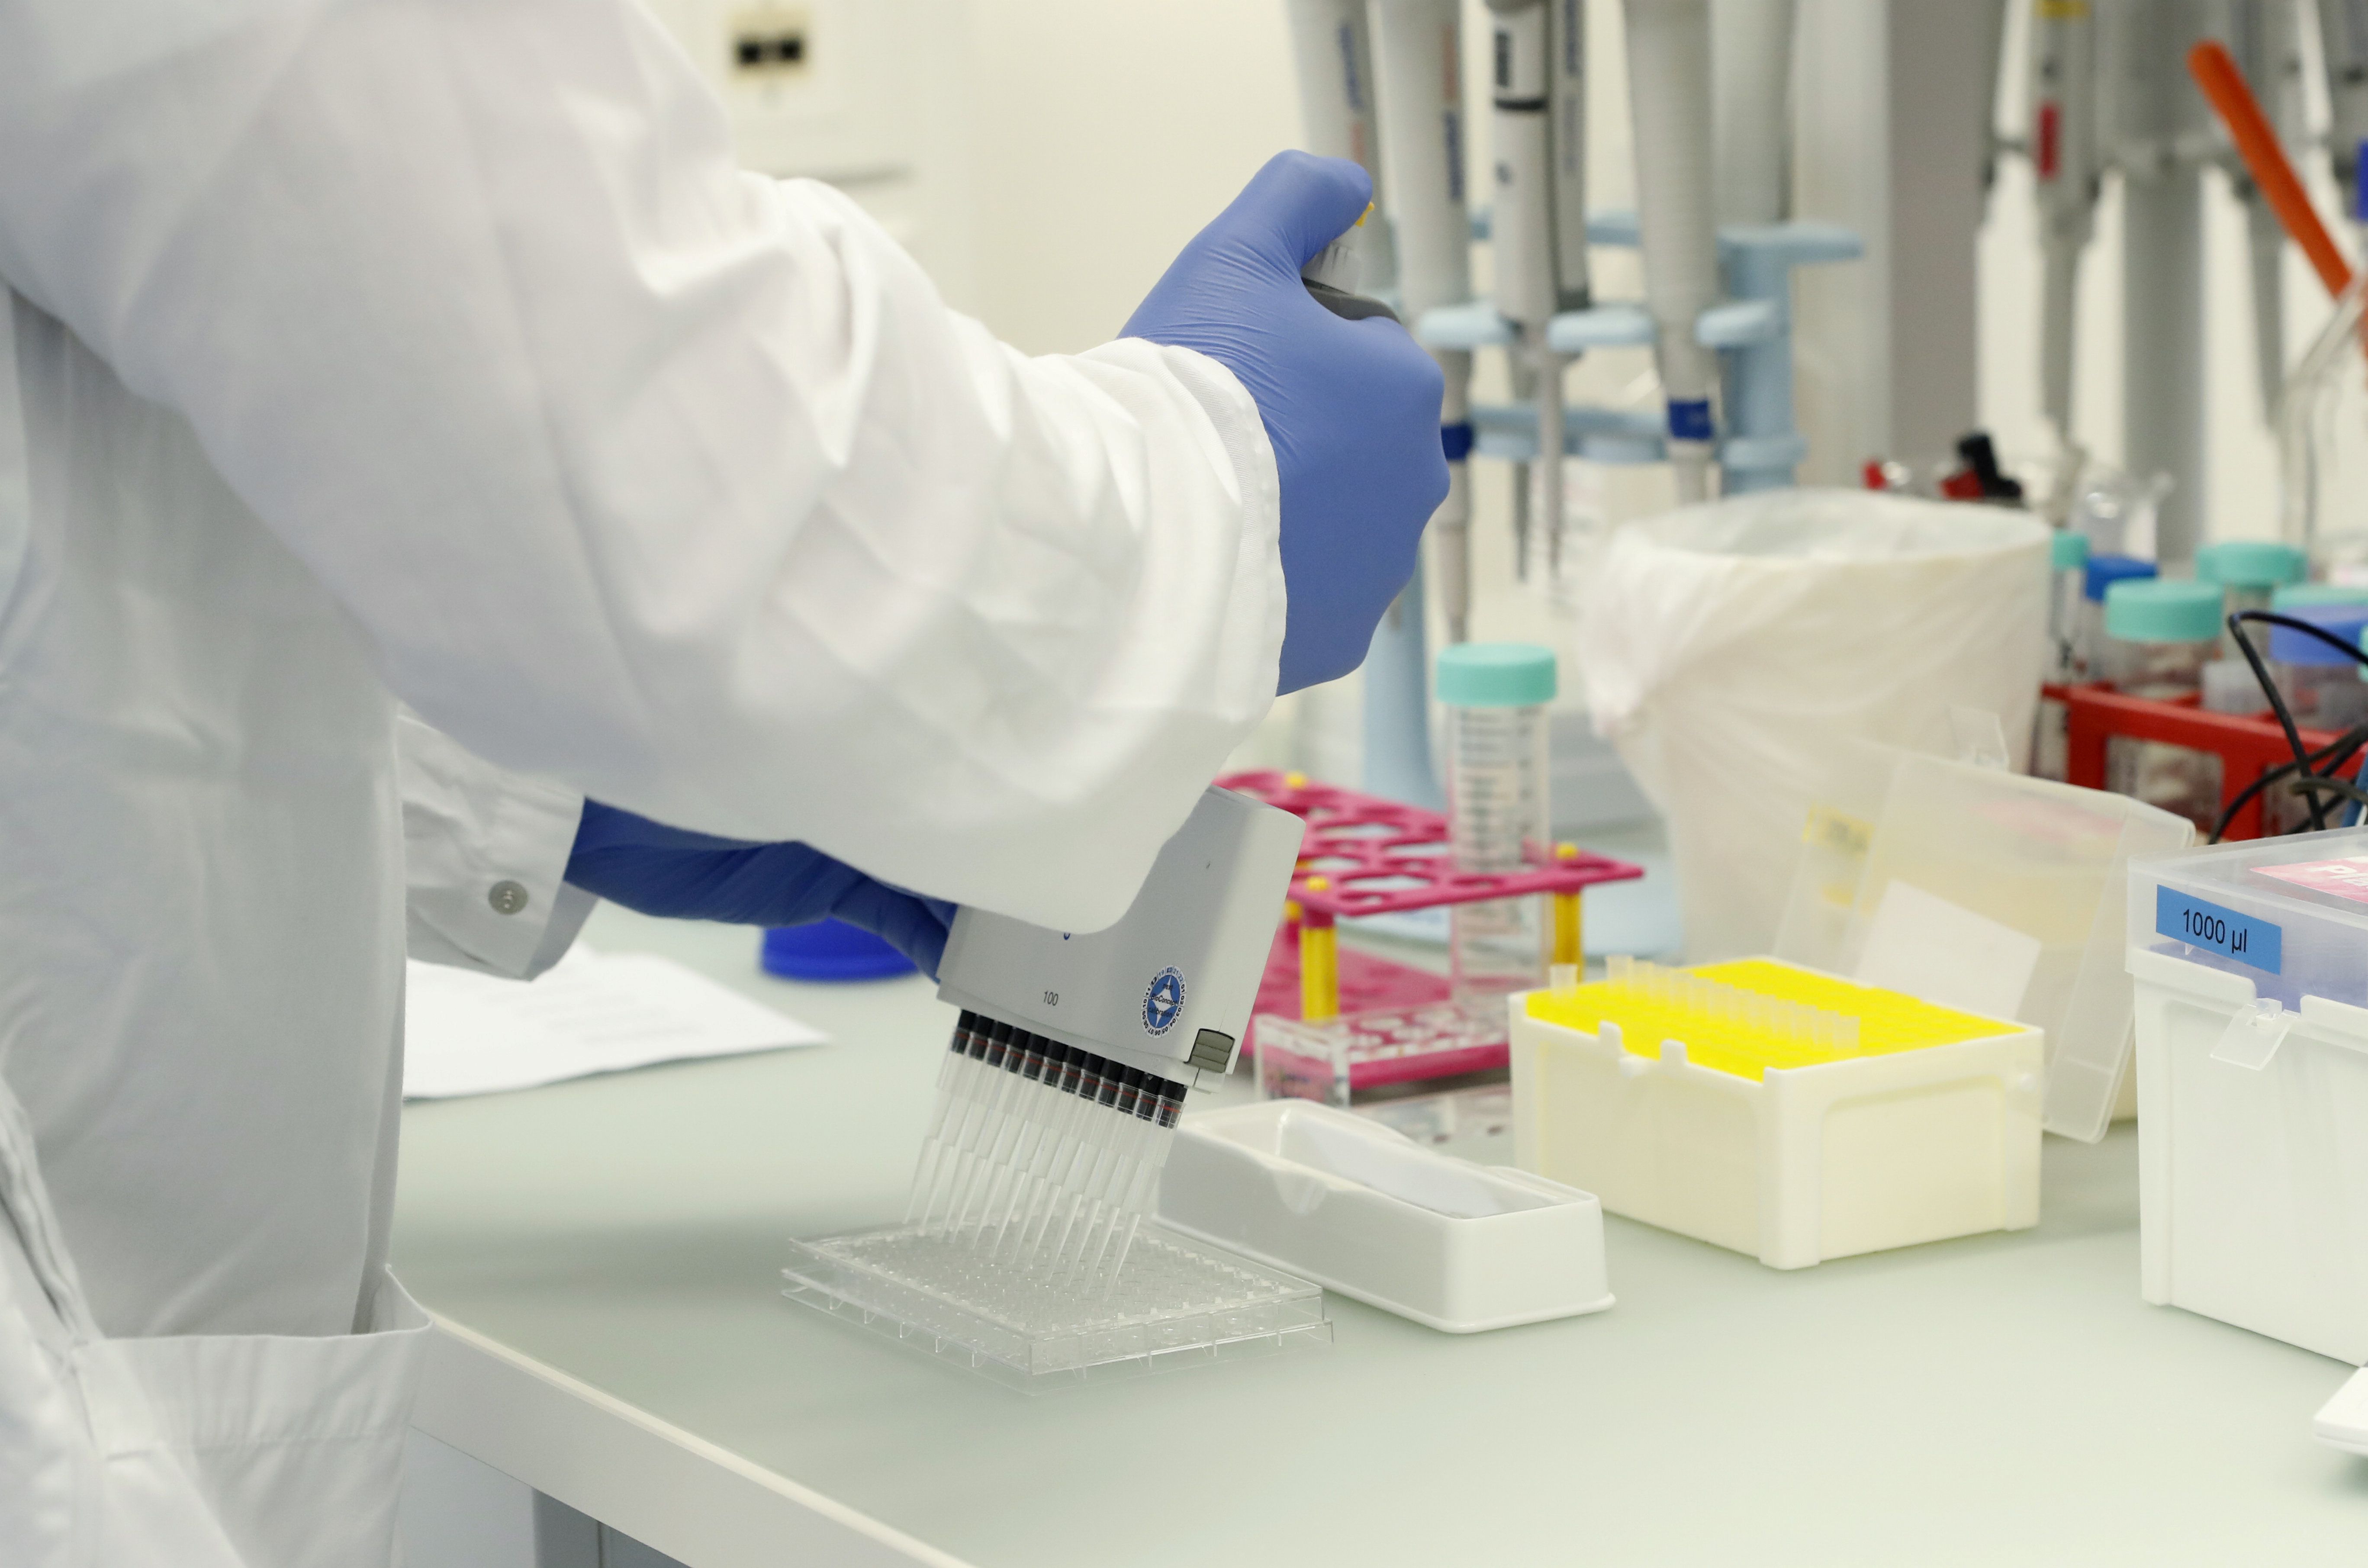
(1362,1209)
(2252,1156)
(1800,1165)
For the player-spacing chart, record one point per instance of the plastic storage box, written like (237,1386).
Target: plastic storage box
(1366,1211)
(1993,893)
(2250,970)
(1778,1111)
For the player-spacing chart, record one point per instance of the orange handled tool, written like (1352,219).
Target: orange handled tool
(2215,72)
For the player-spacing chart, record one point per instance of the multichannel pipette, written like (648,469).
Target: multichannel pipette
(1067,1070)
(1031,1136)
(1331,46)
(1335,277)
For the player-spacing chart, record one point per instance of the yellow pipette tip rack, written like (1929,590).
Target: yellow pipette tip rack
(1748,1016)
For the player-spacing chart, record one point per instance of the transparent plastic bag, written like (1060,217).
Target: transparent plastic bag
(1735,653)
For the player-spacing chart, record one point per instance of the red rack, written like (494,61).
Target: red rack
(1364,855)
(1367,856)
(2247,745)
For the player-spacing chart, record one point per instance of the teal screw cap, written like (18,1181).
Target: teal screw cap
(2160,609)
(2068,551)
(2296,594)
(1495,675)
(2251,563)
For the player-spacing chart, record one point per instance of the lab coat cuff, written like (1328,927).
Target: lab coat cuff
(1257,481)
(486,852)
(1258,487)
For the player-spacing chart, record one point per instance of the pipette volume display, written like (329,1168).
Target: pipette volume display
(1043,1157)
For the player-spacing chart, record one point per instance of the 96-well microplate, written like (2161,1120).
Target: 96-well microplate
(1177,1302)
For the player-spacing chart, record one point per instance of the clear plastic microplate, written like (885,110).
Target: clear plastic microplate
(1177,1302)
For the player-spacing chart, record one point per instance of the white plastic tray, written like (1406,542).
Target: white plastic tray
(1359,1209)
(2342,1422)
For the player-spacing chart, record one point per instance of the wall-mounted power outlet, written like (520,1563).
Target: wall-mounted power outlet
(771,43)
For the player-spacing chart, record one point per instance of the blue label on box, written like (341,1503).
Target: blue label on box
(2200,923)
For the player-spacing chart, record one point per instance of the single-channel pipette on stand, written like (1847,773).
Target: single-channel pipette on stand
(1521,236)
(1417,68)
(1566,92)
(1332,50)
(1669,90)
(1751,116)
(2266,40)
(2343,53)
(2065,171)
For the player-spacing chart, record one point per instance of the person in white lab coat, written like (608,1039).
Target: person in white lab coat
(412,426)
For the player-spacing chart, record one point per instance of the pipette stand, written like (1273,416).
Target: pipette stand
(1397,764)
(1760,445)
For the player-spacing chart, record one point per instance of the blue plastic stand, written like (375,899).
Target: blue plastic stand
(830,951)
(1759,446)
(1397,706)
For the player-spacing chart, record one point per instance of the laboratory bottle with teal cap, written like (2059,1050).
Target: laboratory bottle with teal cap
(2159,635)
(1499,816)
(2249,572)
(2319,681)
(2068,574)
(2099,574)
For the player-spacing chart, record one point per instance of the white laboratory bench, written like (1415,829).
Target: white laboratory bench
(604,1259)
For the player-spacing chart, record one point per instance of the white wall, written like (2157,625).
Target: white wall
(1106,134)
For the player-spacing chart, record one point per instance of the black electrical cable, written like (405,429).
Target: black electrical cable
(2334,756)
(2303,761)
(2341,789)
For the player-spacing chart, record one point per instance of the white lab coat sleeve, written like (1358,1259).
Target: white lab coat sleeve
(485,859)
(669,480)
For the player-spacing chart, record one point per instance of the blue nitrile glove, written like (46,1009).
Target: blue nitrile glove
(663,870)
(1350,407)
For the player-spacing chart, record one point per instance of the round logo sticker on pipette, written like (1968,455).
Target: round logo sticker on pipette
(1163,1001)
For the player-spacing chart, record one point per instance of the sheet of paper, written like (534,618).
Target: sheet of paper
(592,1012)
(1923,944)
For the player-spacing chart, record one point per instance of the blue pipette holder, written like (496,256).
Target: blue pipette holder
(1760,445)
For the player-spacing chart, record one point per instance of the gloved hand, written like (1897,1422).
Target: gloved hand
(662,871)
(1350,407)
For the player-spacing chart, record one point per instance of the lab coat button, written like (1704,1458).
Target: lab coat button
(507,898)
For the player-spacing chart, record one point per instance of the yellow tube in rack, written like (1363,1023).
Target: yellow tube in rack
(1569,938)
(1319,964)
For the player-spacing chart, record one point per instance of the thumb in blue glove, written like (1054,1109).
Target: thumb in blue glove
(1351,408)
(679,875)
